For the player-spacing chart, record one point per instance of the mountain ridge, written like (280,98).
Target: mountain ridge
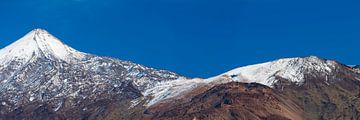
(40,73)
(38,77)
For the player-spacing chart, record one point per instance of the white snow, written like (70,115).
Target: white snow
(31,98)
(135,102)
(170,89)
(40,43)
(59,105)
(355,68)
(35,43)
(74,94)
(292,69)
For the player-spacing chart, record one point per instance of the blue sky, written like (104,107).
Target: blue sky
(196,38)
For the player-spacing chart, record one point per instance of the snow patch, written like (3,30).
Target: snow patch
(31,98)
(135,102)
(59,105)
(292,69)
(170,89)
(36,43)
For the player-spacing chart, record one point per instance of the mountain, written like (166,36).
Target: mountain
(43,78)
(322,89)
(40,73)
(234,100)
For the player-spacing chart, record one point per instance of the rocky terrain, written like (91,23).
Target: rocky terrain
(315,88)
(43,78)
(39,73)
(234,100)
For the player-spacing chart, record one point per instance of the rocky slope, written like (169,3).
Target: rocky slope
(40,73)
(42,78)
(248,101)
(322,89)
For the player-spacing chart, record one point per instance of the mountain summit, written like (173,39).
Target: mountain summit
(295,70)
(42,78)
(38,43)
(296,89)
(39,72)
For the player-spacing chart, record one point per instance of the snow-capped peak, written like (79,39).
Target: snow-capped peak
(38,42)
(292,69)
(295,70)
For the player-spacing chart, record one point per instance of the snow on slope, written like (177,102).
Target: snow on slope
(40,43)
(355,68)
(292,69)
(39,67)
(35,43)
(170,89)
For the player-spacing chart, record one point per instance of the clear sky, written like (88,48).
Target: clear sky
(195,38)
